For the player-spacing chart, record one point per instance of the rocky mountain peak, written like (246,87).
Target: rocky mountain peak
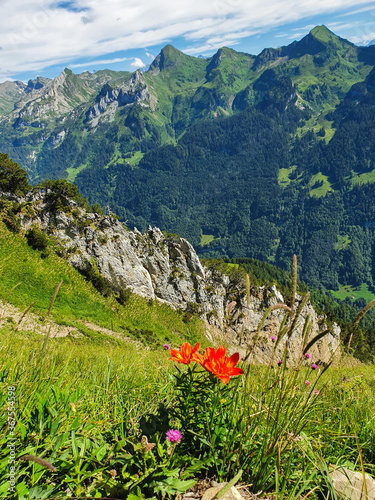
(36,84)
(171,58)
(108,100)
(323,34)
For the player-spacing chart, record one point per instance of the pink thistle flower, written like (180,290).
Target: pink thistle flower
(173,436)
(307,356)
(317,392)
(314,366)
(166,347)
(273,338)
(307,382)
(280,362)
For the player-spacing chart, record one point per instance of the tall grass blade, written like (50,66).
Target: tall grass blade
(228,486)
(300,307)
(54,297)
(247,290)
(362,465)
(369,306)
(38,460)
(261,324)
(315,339)
(294,284)
(44,346)
(24,314)
(12,290)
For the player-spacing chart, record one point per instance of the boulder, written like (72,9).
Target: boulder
(351,485)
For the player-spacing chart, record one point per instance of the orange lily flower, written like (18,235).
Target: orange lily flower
(187,354)
(220,365)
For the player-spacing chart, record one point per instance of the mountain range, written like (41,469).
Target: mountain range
(246,156)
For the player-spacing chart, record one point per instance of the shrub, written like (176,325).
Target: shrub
(61,192)
(12,177)
(97,209)
(12,222)
(37,239)
(124,296)
(91,273)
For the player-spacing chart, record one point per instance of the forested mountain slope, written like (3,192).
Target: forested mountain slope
(246,156)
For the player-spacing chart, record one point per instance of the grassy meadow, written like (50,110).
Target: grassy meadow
(83,408)
(27,278)
(87,416)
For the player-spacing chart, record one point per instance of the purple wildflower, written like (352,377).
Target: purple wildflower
(166,347)
(307,382)
(314,366)
(273,338)
(317,392)
(173,436)
(280,362)
(307,355)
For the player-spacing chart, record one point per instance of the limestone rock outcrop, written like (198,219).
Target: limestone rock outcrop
(165,267)
(133,91)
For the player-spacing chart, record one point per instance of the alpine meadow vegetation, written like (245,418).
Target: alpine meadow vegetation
(117,418)
(248,157)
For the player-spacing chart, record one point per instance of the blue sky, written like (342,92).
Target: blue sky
(42,37)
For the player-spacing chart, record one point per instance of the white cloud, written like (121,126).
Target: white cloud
(37,34)
(363,40)
(309,27)
(5,79)
(297,35)
(342,26)
(137,63)
(97,62)
(358,11)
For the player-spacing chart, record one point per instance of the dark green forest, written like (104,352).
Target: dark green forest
(246,156)
(222,179)
(13,179)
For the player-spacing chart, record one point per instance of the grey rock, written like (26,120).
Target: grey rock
(167,268)
(350,485)
(231,494)
(133,91)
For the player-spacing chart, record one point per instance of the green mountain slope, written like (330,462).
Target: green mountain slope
(28,277)
(54,125)
(261,156)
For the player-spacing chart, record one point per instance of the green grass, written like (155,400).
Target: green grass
(83,408)
(83,405)
(316,123)
(342,242)
(321,190)
(135,159)
(77,299)
(365,178)
(73,172)
(354,293)
(119,159)
(206,239)
(284,175)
